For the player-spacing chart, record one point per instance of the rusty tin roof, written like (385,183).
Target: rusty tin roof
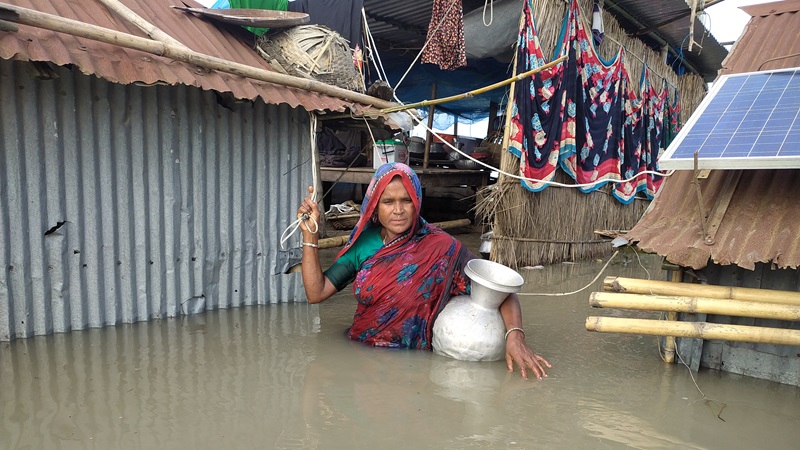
(752,215)
(126,66)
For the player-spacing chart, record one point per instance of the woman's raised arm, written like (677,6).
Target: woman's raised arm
(318,287)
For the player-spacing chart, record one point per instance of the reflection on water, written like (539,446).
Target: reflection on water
(285,376)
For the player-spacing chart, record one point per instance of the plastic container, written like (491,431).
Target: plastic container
(389,151)
(467,144)
(450,138)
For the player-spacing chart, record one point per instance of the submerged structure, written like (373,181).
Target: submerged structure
(735,225)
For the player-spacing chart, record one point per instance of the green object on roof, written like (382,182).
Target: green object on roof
(272,5)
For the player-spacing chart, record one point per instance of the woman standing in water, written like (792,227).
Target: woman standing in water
(403,270)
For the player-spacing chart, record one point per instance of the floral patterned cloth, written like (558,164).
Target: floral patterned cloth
(446,36)
(402,288)
(582,115)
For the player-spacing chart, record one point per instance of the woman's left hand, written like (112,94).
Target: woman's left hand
(517,351)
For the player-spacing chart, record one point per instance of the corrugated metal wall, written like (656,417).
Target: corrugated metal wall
(121,203)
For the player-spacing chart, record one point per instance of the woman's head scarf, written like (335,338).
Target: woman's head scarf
(377,185)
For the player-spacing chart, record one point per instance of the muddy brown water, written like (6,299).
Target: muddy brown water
(286,377)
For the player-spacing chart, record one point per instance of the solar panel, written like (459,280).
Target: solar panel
(747,121)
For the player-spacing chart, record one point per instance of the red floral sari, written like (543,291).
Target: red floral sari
(402,288)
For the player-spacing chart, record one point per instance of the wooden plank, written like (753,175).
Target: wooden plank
(723,201)
(429,178)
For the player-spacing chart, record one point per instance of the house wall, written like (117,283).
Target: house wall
(168,203)
(780,363)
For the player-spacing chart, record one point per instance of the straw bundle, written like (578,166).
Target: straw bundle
(558,224)
(312,51)
(551,226)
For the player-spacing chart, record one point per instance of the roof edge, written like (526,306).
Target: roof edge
(768,9)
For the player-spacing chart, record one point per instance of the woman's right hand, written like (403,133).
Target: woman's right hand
(309,206)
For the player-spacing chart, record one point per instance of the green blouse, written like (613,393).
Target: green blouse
(344,270)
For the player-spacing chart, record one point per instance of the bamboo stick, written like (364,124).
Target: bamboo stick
(695,305)
(475,92)
(669,341)
(338,241)
(151,30)
(636,286)
(8,26)
(426,155)
(51,22)
(699,330)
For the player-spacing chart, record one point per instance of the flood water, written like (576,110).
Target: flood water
(286,377)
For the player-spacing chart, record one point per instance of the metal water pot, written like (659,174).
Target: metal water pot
(470,327)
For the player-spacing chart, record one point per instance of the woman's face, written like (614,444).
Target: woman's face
(395,209)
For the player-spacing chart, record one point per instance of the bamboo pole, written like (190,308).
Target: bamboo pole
(694,305)
(8,26)
(151,30)
(475,92)
(636,286)
(51,22)
(338,241)
(697,330)
(669,341)
(510,101)
(426,155)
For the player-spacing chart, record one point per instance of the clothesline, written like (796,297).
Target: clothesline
(605,36)
(643,62)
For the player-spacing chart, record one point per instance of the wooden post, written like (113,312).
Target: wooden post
(428,135)
(700,330)
(338,241)
(493,107)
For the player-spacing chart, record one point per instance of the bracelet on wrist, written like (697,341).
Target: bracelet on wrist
(514,329)
(309,244)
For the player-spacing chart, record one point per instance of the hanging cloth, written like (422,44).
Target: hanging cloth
(598,32)
(583,116)
(341,16)
(446,36)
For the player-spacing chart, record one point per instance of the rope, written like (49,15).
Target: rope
(490,4)
(561,294)
(534,180)
(292,228)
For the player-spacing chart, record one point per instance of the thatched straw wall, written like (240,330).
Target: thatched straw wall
(558,224)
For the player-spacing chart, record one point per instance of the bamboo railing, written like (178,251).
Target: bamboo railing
(676,297)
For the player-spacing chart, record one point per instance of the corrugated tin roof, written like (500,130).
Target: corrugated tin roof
(770,40)
(405,24)
(762,221)
(669,21)
(126,66)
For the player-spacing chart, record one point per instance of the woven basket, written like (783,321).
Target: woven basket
(343,221)
(312,51)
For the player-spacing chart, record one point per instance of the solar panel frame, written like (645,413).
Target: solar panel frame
(746,121)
